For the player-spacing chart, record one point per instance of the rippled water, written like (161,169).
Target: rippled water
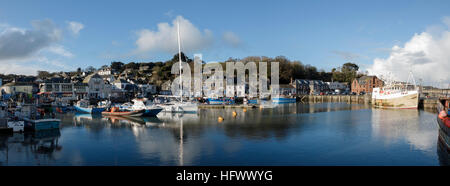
(292,134)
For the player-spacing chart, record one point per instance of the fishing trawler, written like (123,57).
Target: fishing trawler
(397,95)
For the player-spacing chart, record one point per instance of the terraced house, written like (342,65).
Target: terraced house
(365,84)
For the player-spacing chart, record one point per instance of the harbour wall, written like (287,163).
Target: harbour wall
(424,102)
(366,99)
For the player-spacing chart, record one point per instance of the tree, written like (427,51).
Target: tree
(89,69)
(117,66)
(346,73)
(350,67)
(43,74)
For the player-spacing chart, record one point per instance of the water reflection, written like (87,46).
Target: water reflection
(291,134)
(396,125)
(443,150)
(37,148)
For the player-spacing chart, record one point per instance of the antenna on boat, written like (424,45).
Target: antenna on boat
(179,60)
(411,77)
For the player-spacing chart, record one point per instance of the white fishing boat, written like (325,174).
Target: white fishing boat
(396,95)
(179,107)
(151,110)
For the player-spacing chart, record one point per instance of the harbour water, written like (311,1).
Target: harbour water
(291,134)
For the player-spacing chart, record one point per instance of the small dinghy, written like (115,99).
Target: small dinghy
(115,111)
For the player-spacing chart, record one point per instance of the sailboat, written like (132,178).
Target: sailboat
(397,95)
(179,106)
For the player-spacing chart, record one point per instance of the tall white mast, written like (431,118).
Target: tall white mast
(179,58)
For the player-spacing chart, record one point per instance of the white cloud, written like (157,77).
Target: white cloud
(21,43)
(24,51)
(30,66)
(60,50)
(231,39)
(426,55)
(164,39)
(75,27)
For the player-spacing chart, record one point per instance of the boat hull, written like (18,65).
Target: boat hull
(125,114)
(444,138)
(42,124)
(179,108)
(152,112)
(89,110)
(409,101)
(284,100)
(212,101)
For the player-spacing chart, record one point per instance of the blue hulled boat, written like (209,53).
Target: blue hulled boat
(152,112)
(219,101)
(83,106)
(283,100)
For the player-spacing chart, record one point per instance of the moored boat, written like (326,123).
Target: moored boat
(34,120)
(150,109)
(283,99)
(41,124)
(83,106)
(396,95)
(115,111)
(219,101)
(443,120)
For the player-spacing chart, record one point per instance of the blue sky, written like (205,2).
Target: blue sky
(320,33)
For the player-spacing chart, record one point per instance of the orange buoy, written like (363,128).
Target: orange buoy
(245,110)
(442,114)
(234,114)
(220,119)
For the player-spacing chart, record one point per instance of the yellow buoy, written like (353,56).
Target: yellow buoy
(234,114)
(220,119)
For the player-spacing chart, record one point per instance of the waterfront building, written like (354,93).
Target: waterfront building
(337,86)
(366,84)
(97,87)
(301,86)
(306,86)
(286,90)
(80,90)
(18,87)
(57,88)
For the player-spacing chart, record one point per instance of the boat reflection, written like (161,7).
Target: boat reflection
(443,148)
(38,147)
(393,126)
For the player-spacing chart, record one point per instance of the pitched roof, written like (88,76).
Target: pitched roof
(89,77)
(363,79)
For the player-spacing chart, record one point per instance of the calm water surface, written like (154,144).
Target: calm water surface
(292,134)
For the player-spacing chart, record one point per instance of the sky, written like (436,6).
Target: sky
(385,38)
